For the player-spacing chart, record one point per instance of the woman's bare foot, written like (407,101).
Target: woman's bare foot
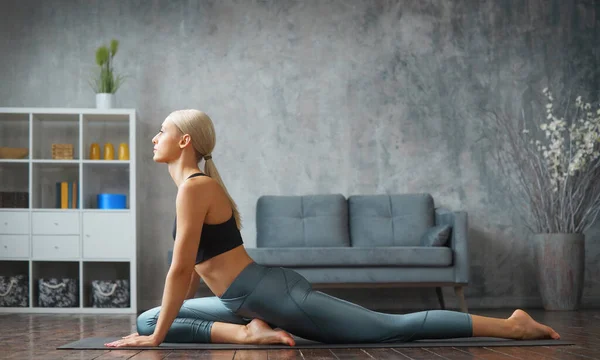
(526,328)
(261,333)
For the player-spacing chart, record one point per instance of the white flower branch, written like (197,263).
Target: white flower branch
(557,166)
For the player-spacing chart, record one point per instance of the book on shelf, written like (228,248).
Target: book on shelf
(67,195)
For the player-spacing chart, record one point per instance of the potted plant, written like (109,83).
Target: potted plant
(555,165)
(106,82)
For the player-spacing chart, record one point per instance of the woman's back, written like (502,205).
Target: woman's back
(222,255)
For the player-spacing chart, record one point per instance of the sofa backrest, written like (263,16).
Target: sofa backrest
(302,221)
(389,220)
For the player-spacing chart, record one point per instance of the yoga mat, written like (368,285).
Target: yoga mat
(97,343)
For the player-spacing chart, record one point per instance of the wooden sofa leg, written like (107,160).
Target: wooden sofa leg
(440,296)
(460,293)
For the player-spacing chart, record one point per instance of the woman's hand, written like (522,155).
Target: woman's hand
(130,336)
(134,340)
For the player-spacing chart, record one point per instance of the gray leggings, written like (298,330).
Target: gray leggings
(284,299)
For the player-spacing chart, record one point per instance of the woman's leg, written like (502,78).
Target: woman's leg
(206,320)
(193,322)
(518,326)
(255,332)
(284,298)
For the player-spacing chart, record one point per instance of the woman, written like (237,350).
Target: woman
(252,300)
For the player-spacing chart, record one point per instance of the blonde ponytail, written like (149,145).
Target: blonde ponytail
(202,132)
(211,170)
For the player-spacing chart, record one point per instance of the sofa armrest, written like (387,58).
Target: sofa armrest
(458,241)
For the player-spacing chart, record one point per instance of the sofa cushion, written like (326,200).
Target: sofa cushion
(299,221)
(390,220)
(436,236)
(409,256)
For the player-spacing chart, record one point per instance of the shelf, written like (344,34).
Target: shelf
(51,129)
(47,277)
(57,110)
(101,118)
(14,280)
(106,284)
(107,162)
(52,161)
(102,130)
(14,267)
(80,242)
(46,175)
(14,131)
(11,210)
(13,161)
(58,285)
(105,211)
(14,185)
(70,311)
(56,162)
(101,178)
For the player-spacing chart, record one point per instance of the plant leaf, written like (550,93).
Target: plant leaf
(114,46)
(101,55)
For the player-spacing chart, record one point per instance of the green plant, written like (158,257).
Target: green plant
(106,80)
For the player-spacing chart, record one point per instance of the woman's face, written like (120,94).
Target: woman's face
(166,143)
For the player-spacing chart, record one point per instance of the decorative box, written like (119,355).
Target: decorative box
(14,291)
(110,293)
(58,292)
(62,151)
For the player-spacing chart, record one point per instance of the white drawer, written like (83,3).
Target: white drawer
(14,222)
(55,246)
(107,236)
(55,222)
(14,246)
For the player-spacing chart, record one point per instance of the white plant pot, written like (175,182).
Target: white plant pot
(105,100)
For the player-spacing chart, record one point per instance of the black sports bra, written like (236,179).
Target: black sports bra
(215,238)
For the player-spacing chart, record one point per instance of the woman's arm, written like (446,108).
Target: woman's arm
(192,206)
(194,285)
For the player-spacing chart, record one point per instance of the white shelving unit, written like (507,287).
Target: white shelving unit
(82,242)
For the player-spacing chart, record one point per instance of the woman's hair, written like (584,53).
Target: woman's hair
(202,133)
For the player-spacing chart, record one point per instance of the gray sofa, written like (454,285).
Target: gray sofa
(365,240)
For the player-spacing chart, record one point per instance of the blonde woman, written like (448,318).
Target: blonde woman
(255,304)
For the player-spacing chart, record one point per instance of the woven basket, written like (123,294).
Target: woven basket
(62,151)
(13,153)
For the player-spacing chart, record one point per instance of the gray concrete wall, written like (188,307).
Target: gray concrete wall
(352,97)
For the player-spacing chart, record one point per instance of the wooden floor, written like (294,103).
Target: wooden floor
(36,336)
